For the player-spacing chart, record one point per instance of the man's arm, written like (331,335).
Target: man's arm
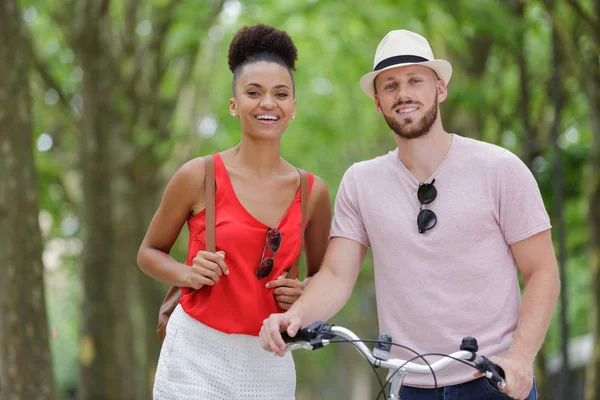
(536,260)
(327,293)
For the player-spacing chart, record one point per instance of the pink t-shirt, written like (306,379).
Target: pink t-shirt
(459,278)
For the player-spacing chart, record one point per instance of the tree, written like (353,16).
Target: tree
(559,194)
(25,362)
(585,43)
(100,370)
(129,95)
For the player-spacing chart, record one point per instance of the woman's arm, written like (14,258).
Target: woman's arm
(183,195)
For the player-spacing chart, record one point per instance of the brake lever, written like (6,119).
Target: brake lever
(491,370)
(296,346)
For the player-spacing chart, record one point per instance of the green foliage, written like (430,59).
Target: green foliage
(336,124)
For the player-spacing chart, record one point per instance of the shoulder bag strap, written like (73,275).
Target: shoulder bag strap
(209,199)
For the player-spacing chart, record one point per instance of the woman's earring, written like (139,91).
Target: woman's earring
(294,116)
(233,113)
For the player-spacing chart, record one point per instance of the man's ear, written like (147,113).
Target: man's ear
(442,90)
(378,105)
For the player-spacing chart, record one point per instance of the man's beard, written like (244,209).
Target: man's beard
(404,130)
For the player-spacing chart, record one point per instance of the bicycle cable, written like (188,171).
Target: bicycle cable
(381,384)
(434,377)
(418,355)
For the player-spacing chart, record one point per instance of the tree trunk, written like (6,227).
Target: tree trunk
(590,82)
(25,360)
(107,361)
(558,204)
(530,148)
(123,269)
(151,292)
(593,185)
(144,294)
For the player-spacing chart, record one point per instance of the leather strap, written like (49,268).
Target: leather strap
(209,199)
(292,273)
(174,294)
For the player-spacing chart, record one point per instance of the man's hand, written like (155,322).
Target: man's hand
(270,333)
(518,376)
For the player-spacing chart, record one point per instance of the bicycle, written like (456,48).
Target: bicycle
(320,334)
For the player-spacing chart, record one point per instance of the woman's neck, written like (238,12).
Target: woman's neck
(259,158)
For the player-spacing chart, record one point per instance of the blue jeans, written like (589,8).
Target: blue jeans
(478,389)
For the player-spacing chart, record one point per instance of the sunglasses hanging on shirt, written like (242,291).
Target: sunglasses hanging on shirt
(426,219)
(272,244)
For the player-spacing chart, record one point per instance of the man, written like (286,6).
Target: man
(449,220)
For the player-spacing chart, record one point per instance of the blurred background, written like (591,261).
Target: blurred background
(101,101)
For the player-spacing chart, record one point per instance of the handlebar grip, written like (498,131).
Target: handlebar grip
(301,336)
(287,338)
(316,330)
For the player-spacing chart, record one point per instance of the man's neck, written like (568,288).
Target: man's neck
(422,156)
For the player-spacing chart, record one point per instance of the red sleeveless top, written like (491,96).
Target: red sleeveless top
(239,302)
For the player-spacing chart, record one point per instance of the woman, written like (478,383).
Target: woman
(212,350)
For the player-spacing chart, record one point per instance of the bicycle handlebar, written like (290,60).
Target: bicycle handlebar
(319,334)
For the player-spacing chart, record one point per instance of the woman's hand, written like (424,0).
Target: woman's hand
(207,269)
(286,291)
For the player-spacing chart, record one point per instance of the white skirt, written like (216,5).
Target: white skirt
(198,362)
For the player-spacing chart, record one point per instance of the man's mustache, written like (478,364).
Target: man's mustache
(402,103)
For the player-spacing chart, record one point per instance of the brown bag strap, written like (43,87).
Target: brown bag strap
(174,294)
(303,209)
(209,199)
